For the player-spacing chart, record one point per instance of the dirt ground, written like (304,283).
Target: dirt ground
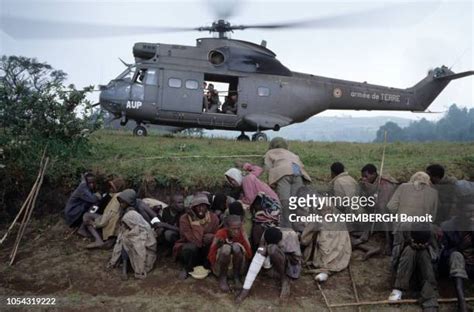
(52,263)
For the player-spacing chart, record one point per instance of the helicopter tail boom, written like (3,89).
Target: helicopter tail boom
(350,95)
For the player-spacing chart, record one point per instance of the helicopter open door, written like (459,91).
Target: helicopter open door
(182,91)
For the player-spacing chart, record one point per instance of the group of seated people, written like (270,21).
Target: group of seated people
(235,236)
(212,104)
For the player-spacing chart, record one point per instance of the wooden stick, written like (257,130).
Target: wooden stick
(25,217)
(403,301)
(28,213)
(25,204)
(324,296)
(380,175)
(354,288)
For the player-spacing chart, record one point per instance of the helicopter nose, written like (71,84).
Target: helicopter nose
(113,97)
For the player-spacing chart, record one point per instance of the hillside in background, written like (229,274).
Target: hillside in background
(342,129)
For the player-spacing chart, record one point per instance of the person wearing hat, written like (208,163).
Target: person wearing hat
(136,241)
(457,255)
(279,248)
(197,228)
(286,174)
(230,246)
(109,221)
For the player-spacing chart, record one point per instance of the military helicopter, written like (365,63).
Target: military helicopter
(165,86)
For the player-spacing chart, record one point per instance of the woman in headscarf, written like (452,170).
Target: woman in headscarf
(136,240)
(251,185)
(286,174)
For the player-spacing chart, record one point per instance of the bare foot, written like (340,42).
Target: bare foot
(285,289)
(223,285)
(370,253)
(183,275)
(241,297)
(237,283)
(95,245)
(83,232)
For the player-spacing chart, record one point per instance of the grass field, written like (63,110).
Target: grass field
(171,160)
(53,263)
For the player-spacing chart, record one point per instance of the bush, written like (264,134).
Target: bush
(37,111)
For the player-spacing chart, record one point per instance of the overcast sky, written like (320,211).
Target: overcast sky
(393,56)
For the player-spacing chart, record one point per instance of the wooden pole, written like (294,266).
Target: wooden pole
(324,296)
(403,301)
(28,213)
(25,204)
(354,288)
(380,175)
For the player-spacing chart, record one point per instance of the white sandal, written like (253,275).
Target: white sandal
(395,295)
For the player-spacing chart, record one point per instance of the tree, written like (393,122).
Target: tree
(394,133)
(34,102)
(37,110)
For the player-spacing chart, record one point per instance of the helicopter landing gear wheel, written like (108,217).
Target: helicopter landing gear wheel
(140,131)
(259,137)
(243,137)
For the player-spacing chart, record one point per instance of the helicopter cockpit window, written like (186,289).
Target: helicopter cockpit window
(174,83)
(192,84)
(151,77)
(127,74)
(263,91)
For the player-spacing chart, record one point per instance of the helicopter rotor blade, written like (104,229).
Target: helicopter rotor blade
(399,15)
(224,9)
(29,28)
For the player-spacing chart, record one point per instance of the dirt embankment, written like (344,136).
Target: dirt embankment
(52,263)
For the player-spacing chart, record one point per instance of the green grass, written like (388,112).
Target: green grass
(136,157)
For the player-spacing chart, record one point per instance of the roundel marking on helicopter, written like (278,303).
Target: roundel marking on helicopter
(337,93)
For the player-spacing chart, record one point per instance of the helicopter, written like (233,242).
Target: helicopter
(170,85)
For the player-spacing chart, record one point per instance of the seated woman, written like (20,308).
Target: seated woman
(327,245)
(136,241)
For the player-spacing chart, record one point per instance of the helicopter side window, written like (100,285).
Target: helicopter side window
(174,83)
(263,91)
(191,84)
(151,77)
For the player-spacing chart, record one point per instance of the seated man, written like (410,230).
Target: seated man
(168,228)
(413,243)
(415,262)
(81,200)
(212,99)
(382,188)
(196,228)
(281,247)
(230,104)
(457,255)
(109,221)
(136,241)
(230,246)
